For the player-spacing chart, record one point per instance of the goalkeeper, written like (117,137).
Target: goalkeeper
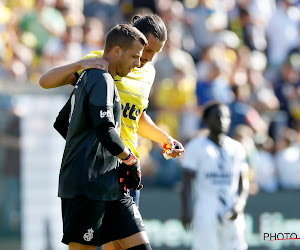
(134,90)
(89,185)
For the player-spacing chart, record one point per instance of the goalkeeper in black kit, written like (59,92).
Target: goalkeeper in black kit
(95,207)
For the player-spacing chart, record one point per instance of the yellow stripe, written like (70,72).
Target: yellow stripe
(127,140)
(130,93)
(138,79)
(128,126)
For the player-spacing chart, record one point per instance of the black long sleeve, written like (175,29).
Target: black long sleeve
(109,138)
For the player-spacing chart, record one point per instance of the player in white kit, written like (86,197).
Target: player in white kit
(216,165)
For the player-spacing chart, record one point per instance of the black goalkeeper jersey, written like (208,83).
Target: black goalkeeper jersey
(87,167)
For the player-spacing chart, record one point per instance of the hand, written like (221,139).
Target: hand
(130,173)
(186,222)
(172,149)
(132,177)
(232,215)
(95,63)
(229,215)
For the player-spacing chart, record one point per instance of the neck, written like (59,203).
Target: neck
(217,138)
(111,65)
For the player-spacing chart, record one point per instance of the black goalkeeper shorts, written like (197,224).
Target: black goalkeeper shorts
(95,223)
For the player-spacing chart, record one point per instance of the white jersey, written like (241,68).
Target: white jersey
(217,176)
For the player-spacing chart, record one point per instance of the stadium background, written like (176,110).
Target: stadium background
(242,52)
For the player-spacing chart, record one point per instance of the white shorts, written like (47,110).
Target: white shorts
(226,236)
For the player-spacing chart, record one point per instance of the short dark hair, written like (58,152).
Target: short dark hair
(210,106)
(150,24)
(123,35)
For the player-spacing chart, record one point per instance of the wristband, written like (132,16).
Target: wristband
(130,160)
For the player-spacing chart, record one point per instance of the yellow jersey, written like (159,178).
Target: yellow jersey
(134,90)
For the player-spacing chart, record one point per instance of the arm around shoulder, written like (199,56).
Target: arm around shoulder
(148,129)
(59,76)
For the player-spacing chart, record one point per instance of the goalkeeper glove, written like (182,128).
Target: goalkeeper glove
(130,173)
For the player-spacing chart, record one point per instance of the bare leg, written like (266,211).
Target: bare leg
(114,245)
(134,240)
(77,246)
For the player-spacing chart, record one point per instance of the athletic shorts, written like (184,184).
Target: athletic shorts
(92,222)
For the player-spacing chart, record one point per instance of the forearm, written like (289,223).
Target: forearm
(148,129)
(241,203)
(59,76)
(124,154)
(109,138)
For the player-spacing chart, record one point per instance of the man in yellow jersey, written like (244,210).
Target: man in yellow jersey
(134,89)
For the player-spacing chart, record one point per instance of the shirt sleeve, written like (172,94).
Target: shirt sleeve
(100,97)
(61,123)
(191,156)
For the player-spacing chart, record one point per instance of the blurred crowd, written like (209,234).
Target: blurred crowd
(245,53)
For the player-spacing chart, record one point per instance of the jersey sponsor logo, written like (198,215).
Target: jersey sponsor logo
(89,235)
(224,178)
(130,111)
(105,114)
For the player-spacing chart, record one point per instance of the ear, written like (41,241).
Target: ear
(117,51)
